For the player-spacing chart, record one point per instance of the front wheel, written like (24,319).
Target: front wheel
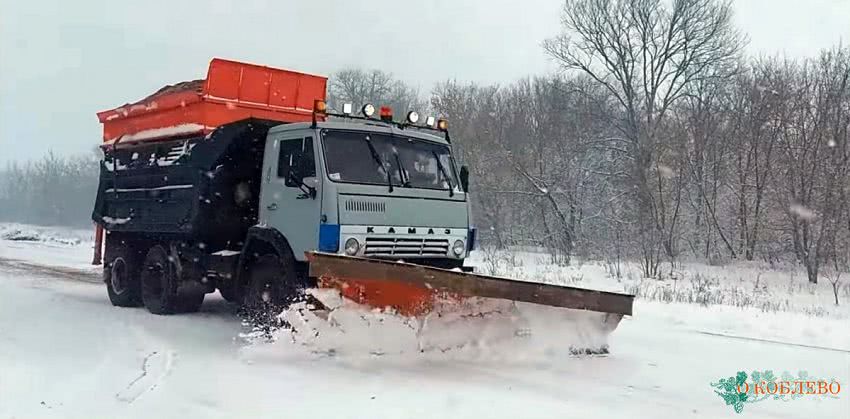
(272,283)
(229,293)
(272,287)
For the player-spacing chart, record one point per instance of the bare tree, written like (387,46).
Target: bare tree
(646,53)
(703,116)
(815,157)
(539,166)
(475,131)
(359,87)
(759,112)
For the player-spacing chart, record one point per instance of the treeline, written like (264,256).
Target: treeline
(752,167)
(53,190)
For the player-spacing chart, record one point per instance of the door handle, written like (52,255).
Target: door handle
(272,206)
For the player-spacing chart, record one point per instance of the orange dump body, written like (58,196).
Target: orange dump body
(231,91)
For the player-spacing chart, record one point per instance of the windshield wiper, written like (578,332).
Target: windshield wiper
(443,171)
(377,158)
(405,180)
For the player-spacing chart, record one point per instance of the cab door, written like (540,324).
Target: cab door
(291,193)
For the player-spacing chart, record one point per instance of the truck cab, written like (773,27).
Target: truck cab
(369,189)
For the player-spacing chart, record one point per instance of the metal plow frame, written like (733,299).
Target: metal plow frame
(424,283)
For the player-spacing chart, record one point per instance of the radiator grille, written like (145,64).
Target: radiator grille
(365,206)
(404,246)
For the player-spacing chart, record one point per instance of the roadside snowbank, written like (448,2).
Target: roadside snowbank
(50,235)
(48,246)
(765,287)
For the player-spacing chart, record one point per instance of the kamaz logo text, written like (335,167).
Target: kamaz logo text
(410,230)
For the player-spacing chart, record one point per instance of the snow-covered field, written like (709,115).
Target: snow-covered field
(66,352)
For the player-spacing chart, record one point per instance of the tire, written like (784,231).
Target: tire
(191,302)
(271,288)
(121,274)
(272,283)
(160,282)
(229,294)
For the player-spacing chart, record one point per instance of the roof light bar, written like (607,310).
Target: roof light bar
(443,125)
(413,117)
(320,107)
(386,114)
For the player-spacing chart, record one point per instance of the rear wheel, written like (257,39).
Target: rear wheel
(160,284)
(191,302)
(121,275)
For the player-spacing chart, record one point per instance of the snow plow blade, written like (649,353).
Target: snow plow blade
(412,289)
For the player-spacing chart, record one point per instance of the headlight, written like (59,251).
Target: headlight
(458,248)
(351,246)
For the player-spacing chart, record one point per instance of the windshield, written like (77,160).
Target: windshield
(410,162)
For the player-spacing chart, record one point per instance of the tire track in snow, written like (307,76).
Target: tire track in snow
(155,367)
(55,272)
(776,342)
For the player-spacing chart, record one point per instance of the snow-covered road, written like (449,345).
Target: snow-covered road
(65,352)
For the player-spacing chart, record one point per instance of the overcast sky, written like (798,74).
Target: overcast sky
(63,60)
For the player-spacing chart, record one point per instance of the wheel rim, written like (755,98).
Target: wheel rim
(118,276)
(263,294)
(153,282)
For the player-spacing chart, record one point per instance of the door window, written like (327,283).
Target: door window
(296,160)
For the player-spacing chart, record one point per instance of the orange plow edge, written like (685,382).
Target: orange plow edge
(413,290)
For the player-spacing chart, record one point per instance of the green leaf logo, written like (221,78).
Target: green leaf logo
(733,390)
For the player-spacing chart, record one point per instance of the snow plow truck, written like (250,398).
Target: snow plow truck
(246,183)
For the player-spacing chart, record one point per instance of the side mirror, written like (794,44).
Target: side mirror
(311,182)
(464,178)
(307,184)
